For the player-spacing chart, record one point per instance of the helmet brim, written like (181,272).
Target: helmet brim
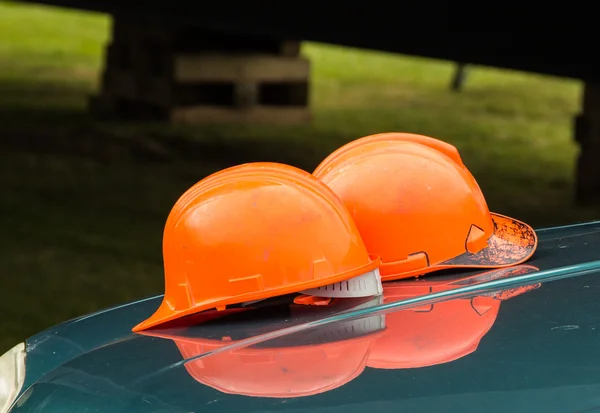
(513,242)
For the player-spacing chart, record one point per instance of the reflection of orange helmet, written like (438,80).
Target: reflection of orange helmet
(442,332)
(256,231)
(301,364)
(419,208)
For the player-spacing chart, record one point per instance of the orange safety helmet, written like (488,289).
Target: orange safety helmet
(442,332)
(418,207)
(256,231)
(305,363)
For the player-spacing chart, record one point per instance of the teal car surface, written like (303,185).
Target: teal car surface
(524,339)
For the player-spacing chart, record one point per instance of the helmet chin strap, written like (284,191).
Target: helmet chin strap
(365,285)
(340,331)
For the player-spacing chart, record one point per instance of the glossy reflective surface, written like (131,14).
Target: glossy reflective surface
(520,341)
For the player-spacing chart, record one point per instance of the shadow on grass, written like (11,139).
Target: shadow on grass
(84,202)
(45,117)
(108,143)
(50,117)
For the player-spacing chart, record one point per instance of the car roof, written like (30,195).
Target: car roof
(518,339)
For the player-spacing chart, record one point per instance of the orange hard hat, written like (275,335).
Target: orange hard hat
(418,207)
(305,363)
(441,332)
(256,231)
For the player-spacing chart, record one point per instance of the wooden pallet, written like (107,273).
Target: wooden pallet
(159,73)
(587,135)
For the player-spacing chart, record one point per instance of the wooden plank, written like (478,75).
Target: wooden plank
(587,188)
(240,68)
(591,99)
(587,135)
(119,84)
(285,94)
(113,55)
(101,107)
(257,114)
(289,48)
(157,91)
(246,94)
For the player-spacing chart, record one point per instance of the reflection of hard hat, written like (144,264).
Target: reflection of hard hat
(419,208)
(301,364)
(441,332)
(257,231)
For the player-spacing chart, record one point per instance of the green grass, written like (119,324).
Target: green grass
(83,204)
